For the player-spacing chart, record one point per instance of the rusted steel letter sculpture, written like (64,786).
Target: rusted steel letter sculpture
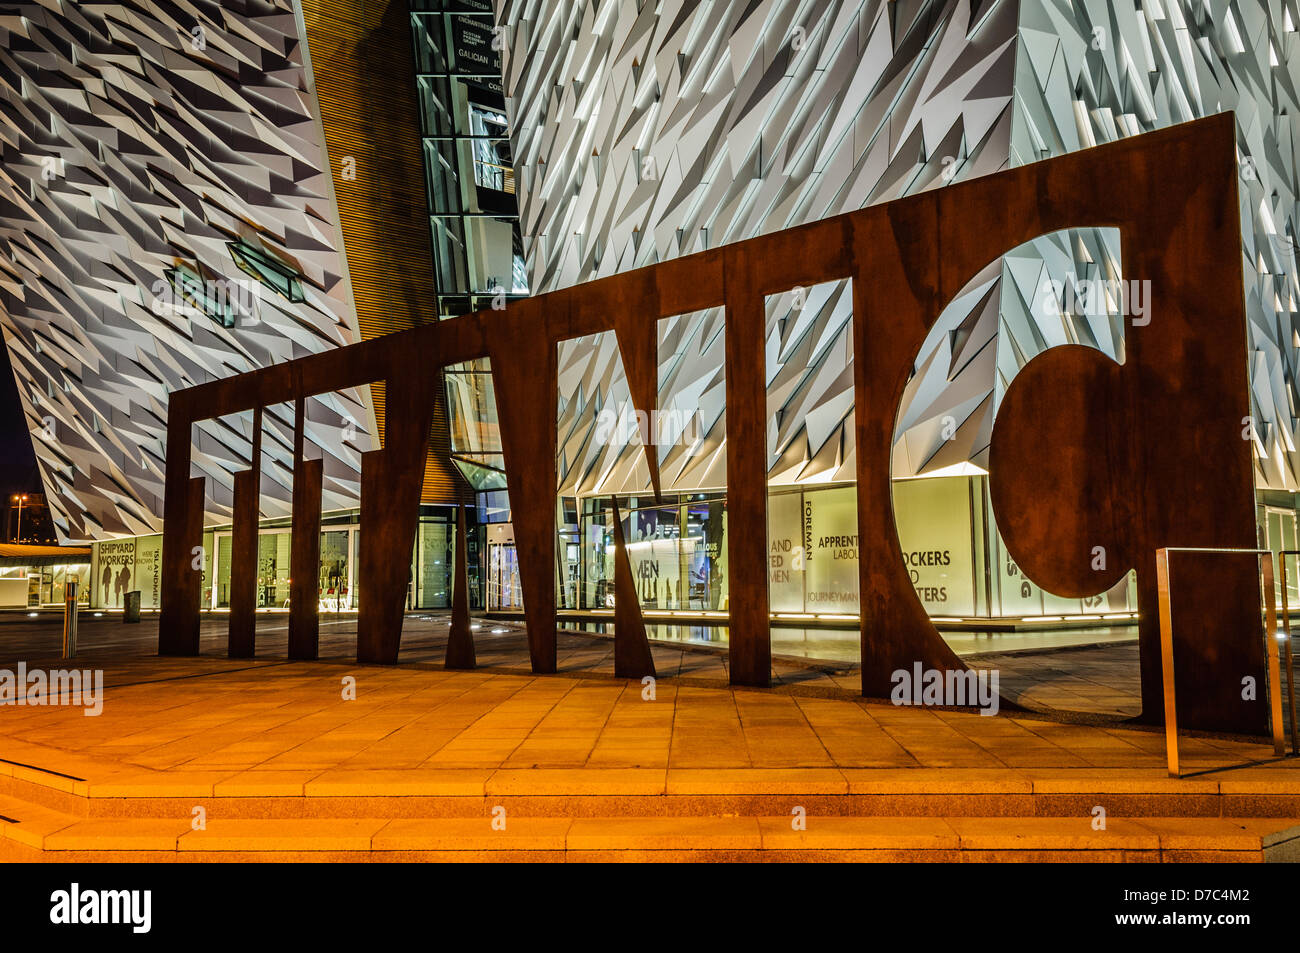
(1088,455)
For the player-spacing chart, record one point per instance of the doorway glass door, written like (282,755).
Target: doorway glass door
(273,570)
(504,591)
(335,594)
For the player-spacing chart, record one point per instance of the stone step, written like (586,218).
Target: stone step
(30,832)
(643,793)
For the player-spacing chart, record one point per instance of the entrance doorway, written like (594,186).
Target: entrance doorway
(335,581)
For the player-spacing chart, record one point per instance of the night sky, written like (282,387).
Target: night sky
(17,462)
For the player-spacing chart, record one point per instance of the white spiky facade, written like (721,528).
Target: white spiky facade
(645,130)
(139,137)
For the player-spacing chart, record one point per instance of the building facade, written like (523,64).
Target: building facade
(190,195)
(647,131)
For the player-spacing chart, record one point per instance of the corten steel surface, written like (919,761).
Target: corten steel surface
(1167,665)
(1172,194)
(178,630)
(241,623)
(460,638)
(304,557)
(528,442)
(632,658)
(391,479)
(1085,452)
(750,645)
(242,633)
(1174,671)
(1091,458)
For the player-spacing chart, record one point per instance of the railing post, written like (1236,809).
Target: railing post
(1286,642)
(1271,650)
(1167,662)
(70,620)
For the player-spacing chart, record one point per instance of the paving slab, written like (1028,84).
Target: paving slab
(130,834)
(1051,834)
(214,728)
(423,782)
(474,834)
(858,833)
(659,833)
(339,834)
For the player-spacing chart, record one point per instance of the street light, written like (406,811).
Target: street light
(19,499)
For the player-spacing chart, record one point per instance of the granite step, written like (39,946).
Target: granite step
(649,793)
(30,832)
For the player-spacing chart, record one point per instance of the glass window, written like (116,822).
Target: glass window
(449,258)
(148,570)
(112,573)
(335,594)
(706,555)
(434,94)
(830,520)
(471,46)
(655,551)
(429,43)
(273,571)
(276,275)
(434,560)
(443,179)
(934,529)
(209,553)
(785,552)
(223,571)
(471,403)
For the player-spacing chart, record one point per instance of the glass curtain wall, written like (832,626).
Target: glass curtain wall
(478,250)
(958,568)
(473,214)
(677,551)
(340,546)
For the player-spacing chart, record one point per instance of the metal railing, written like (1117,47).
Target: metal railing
(1271,650)
(1290,669)
(493,175)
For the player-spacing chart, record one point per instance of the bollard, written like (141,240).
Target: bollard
(131,607)
(70,620)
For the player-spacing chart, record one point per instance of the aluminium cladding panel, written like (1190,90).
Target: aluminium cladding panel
(1089,73)
(646,131)
(656,130)
(141,138)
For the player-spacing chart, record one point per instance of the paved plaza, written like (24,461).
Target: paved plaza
(1071,675)
(268,714)
(332,759)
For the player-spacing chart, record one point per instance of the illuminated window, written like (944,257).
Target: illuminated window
(274,274)
(190,288)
